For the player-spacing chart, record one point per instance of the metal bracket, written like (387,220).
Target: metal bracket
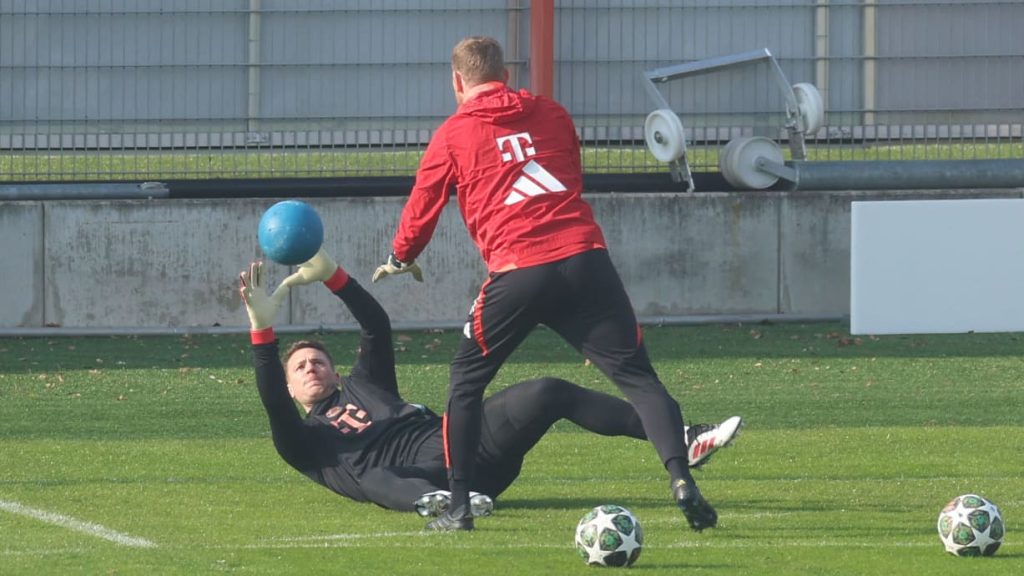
(804,110)
(775,169)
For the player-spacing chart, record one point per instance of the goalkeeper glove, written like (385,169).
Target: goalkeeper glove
(319,268)
(396,266)
(261,308)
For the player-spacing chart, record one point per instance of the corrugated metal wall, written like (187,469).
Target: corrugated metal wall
(151,89)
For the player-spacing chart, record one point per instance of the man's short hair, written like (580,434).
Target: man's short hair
(301,344)
(479,59)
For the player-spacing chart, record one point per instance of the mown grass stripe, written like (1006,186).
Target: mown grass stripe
(70,523)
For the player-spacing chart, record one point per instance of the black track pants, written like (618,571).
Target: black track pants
(582,299)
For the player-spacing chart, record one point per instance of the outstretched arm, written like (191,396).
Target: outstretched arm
(435,178)
(285,423)
(286,426)
(375,364)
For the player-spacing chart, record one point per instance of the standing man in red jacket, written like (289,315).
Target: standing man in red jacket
(514,161)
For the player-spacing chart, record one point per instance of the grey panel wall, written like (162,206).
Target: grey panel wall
(172,265)
(938,56)
(602,49)
(109,63)
(370,63)
(168,65)
(104,67)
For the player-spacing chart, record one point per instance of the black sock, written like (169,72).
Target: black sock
(460,495)
(679,468)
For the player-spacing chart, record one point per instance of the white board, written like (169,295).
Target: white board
(937,266)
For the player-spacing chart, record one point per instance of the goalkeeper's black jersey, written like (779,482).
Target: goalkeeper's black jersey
(364,426)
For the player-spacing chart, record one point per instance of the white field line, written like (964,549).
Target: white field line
(325,537)
(325,540)
(74,524)
(46,552)
(353,541)
(415,540)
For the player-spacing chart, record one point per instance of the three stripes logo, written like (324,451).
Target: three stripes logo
(700,448)
(534,180)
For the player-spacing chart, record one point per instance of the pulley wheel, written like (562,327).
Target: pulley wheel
(663,132)
(810,106)
(738,162)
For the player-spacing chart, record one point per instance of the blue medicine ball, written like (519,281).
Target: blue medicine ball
(290,232)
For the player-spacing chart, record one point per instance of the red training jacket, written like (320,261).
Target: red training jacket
(514,160)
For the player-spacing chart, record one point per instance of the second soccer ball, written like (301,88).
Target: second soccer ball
(970,525)
(609,535)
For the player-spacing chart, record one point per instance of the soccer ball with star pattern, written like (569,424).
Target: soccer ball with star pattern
(609,535)
(970,525)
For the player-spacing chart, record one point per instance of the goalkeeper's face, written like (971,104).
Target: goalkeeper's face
(311,376)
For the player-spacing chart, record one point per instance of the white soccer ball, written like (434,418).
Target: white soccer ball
(609,535)
(971,526)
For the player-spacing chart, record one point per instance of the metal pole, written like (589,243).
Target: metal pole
(253,105)
(513,51)
(542,47)
(821,47)
(908,175)
(72,191)
(869,65)
(707,65)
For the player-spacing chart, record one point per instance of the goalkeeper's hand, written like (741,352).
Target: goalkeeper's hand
(319,268)
(261,308)
(396,266)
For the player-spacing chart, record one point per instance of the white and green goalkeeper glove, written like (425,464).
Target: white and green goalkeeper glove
(395,266)
(319,268)
(262,309)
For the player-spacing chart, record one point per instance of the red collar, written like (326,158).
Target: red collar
(481,88)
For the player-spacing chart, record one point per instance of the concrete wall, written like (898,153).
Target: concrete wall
(21,272)
(172,265)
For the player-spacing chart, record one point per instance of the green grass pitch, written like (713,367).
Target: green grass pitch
(151,455)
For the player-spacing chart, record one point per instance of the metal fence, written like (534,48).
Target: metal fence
(174,89)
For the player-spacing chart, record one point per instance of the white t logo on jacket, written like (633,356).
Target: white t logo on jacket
(535,180)
(515,143)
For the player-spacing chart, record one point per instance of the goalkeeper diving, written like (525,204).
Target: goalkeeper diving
(358,437)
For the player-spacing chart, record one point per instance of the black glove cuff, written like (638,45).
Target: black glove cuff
(394,261)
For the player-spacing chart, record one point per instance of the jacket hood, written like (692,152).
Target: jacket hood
(499,105)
